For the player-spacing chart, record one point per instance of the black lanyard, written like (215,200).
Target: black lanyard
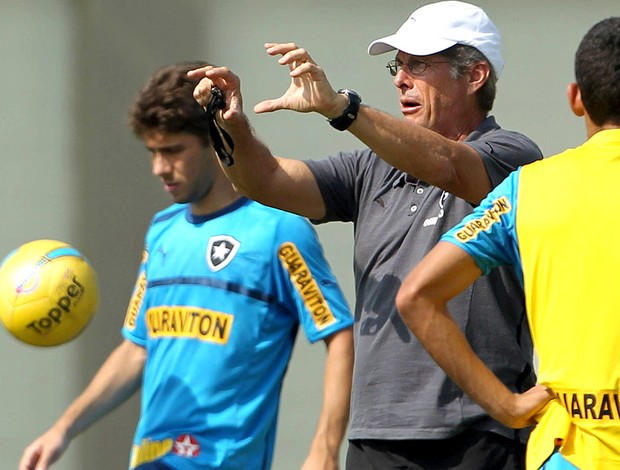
(219,135)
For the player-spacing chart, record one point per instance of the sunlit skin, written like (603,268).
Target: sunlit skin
(435,100)
(189,171)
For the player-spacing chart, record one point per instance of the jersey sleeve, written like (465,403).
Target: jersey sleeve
(306,282)
(489,234)
(134,326)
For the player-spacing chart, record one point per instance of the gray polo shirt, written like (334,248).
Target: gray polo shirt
(398,390)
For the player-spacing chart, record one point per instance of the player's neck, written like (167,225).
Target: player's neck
(221,195)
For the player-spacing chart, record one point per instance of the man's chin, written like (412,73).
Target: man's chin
(180,200)
(414,118)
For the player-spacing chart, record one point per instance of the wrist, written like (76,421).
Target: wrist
(349,113)
(341,101)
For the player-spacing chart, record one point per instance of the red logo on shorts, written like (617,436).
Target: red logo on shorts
(186,446)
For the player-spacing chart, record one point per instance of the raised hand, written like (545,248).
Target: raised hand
(310,91)
(229,84)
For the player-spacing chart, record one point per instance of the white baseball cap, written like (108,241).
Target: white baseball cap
(436,27)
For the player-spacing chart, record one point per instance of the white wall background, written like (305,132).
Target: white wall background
(72,171)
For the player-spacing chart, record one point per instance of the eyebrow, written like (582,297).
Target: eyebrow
(169,148)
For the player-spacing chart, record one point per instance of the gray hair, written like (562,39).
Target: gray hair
(461,58)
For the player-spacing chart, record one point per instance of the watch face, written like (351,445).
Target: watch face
(351,94)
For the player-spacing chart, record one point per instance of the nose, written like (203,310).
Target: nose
(401,79)
(160,164)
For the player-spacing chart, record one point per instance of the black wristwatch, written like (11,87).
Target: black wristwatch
(349,114)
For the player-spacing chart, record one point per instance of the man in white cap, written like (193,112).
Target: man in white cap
(419,176)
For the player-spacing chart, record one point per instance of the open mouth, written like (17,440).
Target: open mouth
(409,105)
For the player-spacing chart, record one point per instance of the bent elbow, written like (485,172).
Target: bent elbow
(403,300)
(409,300)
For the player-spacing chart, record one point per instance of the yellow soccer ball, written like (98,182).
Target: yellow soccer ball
(48,292)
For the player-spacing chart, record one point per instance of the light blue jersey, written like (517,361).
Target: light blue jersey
(217,305)
(489,234)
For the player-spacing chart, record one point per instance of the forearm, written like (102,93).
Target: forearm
(287,184)
(334,415)
(444,341)
(446,163)
(254,164)
(448,346)
(422,302)
(117,379)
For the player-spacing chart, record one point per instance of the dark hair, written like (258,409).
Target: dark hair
(461,58)
(166,104)
(597,70)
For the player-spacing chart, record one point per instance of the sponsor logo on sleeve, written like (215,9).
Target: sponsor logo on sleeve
(491,216)
(306,286)
(135,302)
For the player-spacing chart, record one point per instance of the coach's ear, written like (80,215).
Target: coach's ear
(574,99)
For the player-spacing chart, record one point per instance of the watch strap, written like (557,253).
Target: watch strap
(349,114)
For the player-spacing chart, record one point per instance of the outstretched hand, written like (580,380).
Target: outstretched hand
(310,91)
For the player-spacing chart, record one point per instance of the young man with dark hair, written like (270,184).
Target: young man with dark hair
(223,286)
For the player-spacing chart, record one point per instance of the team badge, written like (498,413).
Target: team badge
(220,251)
